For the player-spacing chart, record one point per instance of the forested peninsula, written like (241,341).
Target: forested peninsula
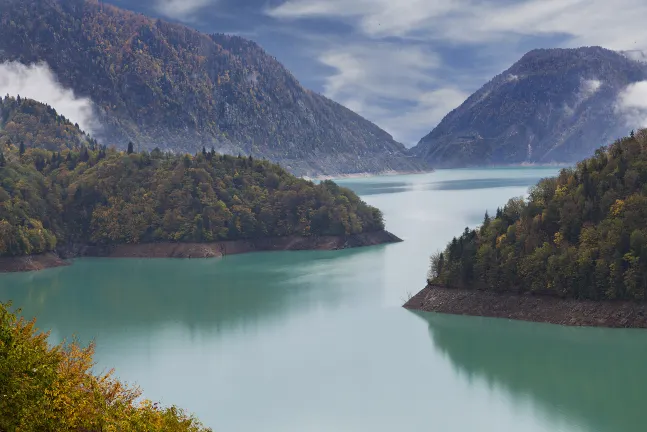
(64,195)
(574,252)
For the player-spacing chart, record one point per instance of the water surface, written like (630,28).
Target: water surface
(317,341)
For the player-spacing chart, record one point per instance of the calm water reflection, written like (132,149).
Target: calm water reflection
(317,341)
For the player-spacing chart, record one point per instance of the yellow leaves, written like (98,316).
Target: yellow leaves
(558,239)
(617,208)
(54,389)
(561,191)
(502,238)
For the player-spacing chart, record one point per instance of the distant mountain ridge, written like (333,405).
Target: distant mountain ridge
(164,85)
(553,105)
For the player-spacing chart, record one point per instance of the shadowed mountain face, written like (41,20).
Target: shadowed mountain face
(164,85)
(553,105)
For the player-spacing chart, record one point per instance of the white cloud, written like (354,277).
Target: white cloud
(38,82)
(379,70)
(583,22)
(391,85)
(183,10)
(376,17)
(632,103)
(378,86)
(589,87)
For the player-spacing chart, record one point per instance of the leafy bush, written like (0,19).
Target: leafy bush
(52,388)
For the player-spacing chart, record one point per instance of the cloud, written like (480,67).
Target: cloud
(38,82)
(375,17)
(632,104)
(379,70)
(394,86)
(183,10)
(580,22)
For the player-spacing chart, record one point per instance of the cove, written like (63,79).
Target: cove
(318,340)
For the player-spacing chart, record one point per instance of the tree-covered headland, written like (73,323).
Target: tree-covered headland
(582,234)
(58,186)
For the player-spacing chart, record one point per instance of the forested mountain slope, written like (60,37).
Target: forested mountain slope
(32,124)
(88,194)
(582,234)
(165,85)
(553,105)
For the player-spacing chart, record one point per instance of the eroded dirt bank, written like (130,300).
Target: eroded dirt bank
(529,307)
(31,263)
(195,250)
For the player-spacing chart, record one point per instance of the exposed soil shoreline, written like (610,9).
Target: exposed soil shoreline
(528,307)
(194,250)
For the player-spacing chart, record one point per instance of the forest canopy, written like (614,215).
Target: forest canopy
(89,194)
(582,234)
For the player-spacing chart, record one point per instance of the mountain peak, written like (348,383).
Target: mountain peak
(552,106)
(164,85)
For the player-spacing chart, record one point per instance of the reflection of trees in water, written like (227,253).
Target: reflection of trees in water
(597,376)
(207,294)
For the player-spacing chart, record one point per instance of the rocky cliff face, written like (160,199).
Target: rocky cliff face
(553,105)
(164,85)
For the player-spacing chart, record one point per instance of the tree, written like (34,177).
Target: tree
(3,161)
(84,156)
(632,134)
(22,148)
(131,147)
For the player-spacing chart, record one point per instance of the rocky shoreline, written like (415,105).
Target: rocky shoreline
(194,250)
(528,307)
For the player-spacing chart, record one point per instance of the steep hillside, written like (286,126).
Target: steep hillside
(580,235)
(164,85)
(33,124)
(553,105)
(90,195)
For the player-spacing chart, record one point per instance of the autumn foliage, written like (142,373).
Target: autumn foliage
(87,194)
(582,234)
(52,388)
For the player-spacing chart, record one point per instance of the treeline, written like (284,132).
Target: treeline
(52,388)
(102,196)
(582,234)
(27,123)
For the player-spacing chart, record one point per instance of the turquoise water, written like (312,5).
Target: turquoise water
(317,341)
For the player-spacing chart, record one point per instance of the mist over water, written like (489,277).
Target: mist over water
(318,341)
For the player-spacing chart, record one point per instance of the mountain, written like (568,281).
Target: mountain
(165,85)
(582,234)
(553,105)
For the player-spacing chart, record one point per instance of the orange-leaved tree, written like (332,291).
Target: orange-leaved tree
(52,388)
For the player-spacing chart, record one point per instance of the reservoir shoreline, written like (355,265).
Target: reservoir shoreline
(194,250)
(529,307)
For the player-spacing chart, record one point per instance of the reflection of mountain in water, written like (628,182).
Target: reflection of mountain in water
(237,291)
(596,376)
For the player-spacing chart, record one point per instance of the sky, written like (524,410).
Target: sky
(405,64)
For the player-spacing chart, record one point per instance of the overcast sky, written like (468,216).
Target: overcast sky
(404,64)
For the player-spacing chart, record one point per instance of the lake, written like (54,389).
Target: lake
(318,341)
